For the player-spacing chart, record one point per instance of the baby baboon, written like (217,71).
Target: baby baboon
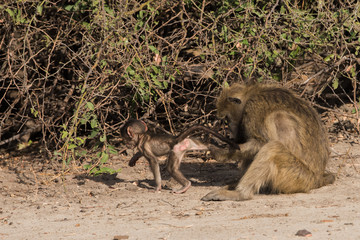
(283,146)
(153,146)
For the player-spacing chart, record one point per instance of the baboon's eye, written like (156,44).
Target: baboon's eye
(234,100)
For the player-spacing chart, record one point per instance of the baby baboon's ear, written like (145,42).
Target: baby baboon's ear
(145,126)
(234,100)
(130,132)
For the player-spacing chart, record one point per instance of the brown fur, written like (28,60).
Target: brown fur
(283,145)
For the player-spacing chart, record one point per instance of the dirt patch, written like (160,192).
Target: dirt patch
(34,205)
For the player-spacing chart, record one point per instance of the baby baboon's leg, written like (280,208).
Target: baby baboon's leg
(155,168)
(175,157)
(273,166)
(173,166)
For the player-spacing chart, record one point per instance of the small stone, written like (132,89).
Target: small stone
(120,237)
(303,233)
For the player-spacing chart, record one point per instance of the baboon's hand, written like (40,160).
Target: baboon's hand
(132,163)
(220,154)
(134,159)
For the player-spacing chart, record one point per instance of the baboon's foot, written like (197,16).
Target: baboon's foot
(225,195)
(157,189)
(328,178)
(183,189)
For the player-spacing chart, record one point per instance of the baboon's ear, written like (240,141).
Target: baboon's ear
(130,132)
(234,100)
(145,126)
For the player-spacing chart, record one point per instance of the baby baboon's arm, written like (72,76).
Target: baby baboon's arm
(135,158)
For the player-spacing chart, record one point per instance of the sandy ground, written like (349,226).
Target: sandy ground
(125,207)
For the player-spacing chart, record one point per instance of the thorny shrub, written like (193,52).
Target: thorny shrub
(79,68)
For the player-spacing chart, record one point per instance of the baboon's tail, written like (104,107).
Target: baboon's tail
(195,128)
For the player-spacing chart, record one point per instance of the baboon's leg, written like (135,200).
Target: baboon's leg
(173,166)
(175,157)
(155,168)
(273,166)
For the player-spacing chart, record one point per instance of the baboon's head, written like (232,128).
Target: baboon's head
(132,130)
(229,102)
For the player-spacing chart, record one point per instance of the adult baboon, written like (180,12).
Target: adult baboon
(283,145)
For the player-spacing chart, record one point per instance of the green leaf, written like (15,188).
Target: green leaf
(329,57)
(68,160)
(69,7)
(157,82)
(34,112)
(82,153)
(165,84)
(39,9)
(297,40)
(103,138)
(110,170)
(87,166)
(130,71)
(282,9)
(155,69)
(93,123)
(296,52)
(353,72)
(109,11)
(112,150)
(90,106)
(283,36)
(268,54)
(64,134)
(93,133)
(80,140)
(10,12)
(56,153)
(164,60)
(104,157)
(103,63)
(335,83)
(72,146)
(94,171)
(98,171)
(153,49)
